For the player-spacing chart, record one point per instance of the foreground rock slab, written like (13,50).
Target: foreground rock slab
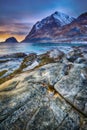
(30,102)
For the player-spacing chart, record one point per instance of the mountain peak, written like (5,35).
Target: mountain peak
(56,12)
(58,18)
(84,15)
(48,25)
(62,18)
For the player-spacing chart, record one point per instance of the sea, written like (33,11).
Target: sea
(9,64)
(39,48)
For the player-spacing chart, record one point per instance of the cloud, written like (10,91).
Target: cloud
(19,30)
(12,33)
(15,27)
(18,16)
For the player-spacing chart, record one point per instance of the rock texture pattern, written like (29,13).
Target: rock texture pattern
(53,96)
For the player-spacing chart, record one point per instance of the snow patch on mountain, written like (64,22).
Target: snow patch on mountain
(41,23)
(38,25)
(63,18)
(58,17)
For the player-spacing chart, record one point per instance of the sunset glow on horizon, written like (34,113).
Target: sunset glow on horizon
(3,37)
(17,17)
(15,29)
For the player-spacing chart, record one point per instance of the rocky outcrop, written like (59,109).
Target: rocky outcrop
(9,63)
(11,40)
(52,96)
(20,62)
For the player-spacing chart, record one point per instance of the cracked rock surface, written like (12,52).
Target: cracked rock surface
(50,97)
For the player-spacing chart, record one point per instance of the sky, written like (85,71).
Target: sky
(18,16)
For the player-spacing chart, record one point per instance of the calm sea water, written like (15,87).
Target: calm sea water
(33,47)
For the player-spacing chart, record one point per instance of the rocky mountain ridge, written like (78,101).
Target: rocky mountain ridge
(59,27)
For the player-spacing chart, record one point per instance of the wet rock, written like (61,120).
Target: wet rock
(2,72)
(4,60)
(52,56)
(74,54)
(14,55)
(28,60)
(56,54)
(51,97)
(81,60)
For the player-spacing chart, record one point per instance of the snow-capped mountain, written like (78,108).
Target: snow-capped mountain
(62,19)
(59,27)
(47,26)
(59,18)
